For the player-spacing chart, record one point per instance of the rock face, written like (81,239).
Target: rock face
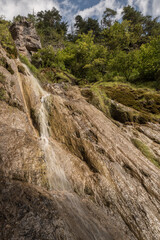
(25,37)
(113,190)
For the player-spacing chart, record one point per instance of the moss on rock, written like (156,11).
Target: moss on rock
(21,69)
(2,78)
(145,151)
(2,94)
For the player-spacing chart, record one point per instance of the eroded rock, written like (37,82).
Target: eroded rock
(113,188)
(25,37)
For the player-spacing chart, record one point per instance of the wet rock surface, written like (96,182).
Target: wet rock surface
(114,188)
(30,213)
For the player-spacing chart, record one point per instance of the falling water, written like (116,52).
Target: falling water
(56,175)
(68,203)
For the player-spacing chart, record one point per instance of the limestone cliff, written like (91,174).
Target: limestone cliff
(25,36)
(68,171)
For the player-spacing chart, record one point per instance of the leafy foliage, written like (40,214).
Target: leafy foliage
(84,26)
(127,50)
(50,27)
(84,59)
(6,40)
(108,17)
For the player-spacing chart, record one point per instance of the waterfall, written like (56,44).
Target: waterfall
(56,175)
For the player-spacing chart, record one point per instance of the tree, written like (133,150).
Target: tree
(84,26)
(79,24)
(123,63)
(132,15)
(151,26)
(50,27)
(148,62)
(48,18)
(84,58)
(108,17)
(121,36)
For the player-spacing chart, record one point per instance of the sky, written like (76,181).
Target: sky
(70,8)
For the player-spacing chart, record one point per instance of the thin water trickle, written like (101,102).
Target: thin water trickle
(56,175)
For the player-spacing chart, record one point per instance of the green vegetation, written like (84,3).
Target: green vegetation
(145,151)
(140,99)
(32,68)
(127,50)
(49,25)
(143,103)
(21,69)
(6,40)
(118,60)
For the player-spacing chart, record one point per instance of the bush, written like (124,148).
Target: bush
(6,39)
(148,60)
(84,59)
(44,57)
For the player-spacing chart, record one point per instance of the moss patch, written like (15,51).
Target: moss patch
(2,78)
(145,151)
(2,94)
(142,100)
(21,69)
(144,104)
(57,76)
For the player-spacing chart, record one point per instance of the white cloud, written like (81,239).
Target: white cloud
(142,5)
(156,8)
(10,8)
(147,7)
(98,9)
(68,10)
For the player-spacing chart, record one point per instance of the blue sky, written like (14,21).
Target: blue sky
(70,8)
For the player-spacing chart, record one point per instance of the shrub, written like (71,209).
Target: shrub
(45,57)
(6,39)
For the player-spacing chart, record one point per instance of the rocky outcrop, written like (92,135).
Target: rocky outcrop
(25,37)
(112,187)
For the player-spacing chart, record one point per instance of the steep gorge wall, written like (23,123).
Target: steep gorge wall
(114,188)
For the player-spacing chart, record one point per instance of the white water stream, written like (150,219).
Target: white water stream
(56,175)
